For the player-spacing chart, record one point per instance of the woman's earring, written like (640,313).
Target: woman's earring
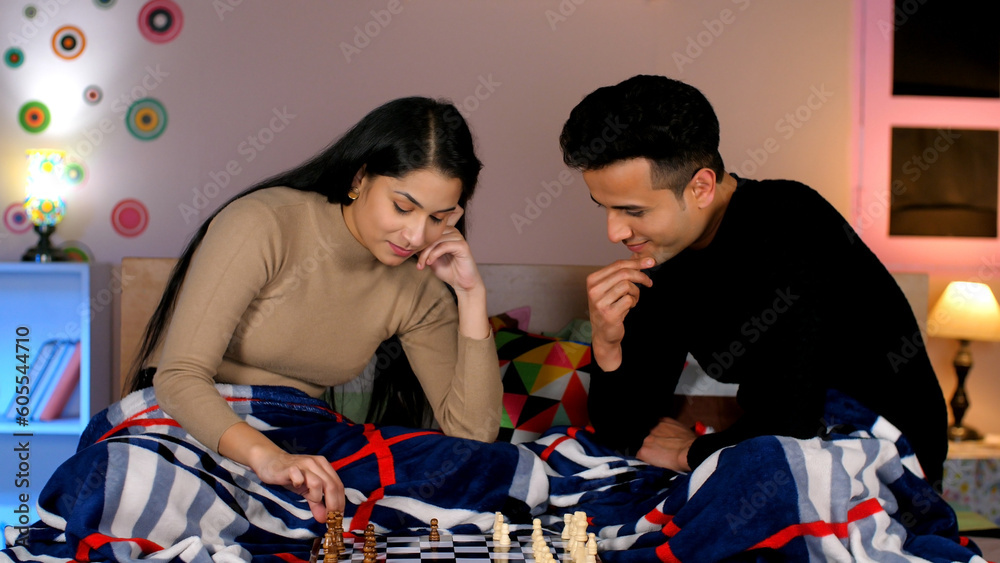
(353,194)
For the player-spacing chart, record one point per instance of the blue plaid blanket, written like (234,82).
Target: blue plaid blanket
(139,487)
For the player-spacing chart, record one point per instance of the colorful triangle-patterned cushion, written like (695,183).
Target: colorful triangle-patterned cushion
(545,383)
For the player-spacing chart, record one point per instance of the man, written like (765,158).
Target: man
(763,282)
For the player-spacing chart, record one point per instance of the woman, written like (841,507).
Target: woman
(297,281)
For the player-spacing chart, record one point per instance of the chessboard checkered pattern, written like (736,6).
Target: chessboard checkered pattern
(452,548)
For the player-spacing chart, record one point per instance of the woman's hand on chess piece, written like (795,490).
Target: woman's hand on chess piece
(311,476)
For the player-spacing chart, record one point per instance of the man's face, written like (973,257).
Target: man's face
(648,222)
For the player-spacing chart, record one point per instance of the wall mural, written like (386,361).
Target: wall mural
(159,22)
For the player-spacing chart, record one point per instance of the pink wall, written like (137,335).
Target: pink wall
(515,68)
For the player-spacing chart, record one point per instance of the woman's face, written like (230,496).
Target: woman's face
(395,218)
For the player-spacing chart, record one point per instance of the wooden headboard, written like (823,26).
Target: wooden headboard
(556,294)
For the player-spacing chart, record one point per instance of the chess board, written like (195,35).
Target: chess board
(452,548)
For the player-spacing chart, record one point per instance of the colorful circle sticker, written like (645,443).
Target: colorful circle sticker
(30,12)
(74,174)
(13,57)
(76,251)
(93,95)
(34,117)
(129,218)
(68,42)
(105,3)
(16,219)
(146,119)
(160,21)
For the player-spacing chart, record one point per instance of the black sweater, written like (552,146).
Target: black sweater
(787,302)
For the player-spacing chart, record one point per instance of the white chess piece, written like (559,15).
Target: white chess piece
(505,535)
(497,525)
(567,522)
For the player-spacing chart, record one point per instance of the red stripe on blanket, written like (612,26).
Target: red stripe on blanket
(657,517)
(143,422)
(820,528)
(289,557)
(369,450)
(664,554)
(670,529)
(383,455)
(96,541)
(364,512)
(548,451)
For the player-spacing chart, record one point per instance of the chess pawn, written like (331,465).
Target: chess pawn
(539,549)
(329,546)
(434,535)
(505,535)
(567,526)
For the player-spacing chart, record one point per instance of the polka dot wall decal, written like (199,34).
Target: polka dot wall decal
(16,219)
(129,218)
(93,95)
(160,21)
(146,119)
(68,42)
(30,11)
(105,3)
(76,251)
(34,117)
(13,57)
(74,174)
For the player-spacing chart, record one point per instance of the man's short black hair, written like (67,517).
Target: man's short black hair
(667,121)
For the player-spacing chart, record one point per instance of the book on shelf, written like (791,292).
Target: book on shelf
(35,371)
(62,388)
(43,386)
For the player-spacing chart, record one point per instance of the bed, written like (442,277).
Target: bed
(139,487)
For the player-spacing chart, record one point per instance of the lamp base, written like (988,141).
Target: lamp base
(44,251)
(963,434)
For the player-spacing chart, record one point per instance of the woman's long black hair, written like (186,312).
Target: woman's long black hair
(396,138)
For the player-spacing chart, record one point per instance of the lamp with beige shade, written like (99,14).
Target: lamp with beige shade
(966,311)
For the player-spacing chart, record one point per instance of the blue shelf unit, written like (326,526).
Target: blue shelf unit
(39,303)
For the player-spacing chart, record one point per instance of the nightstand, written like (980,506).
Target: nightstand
(972,476)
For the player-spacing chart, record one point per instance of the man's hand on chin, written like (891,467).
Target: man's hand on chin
(667,446)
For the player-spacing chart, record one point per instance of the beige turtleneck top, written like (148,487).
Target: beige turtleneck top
(281,293)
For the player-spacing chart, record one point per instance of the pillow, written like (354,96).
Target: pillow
(545,384)
(515,318)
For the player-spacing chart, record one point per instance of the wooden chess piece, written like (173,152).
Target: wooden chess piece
(434,535)
(330,551)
